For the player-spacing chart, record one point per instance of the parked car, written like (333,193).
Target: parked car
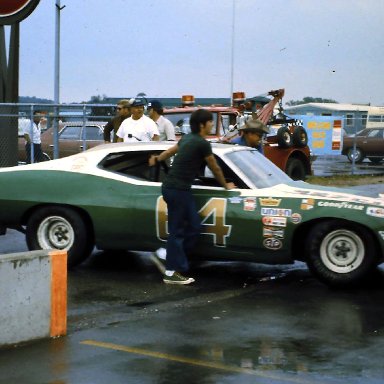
(369,143)
(73,137)
(110,197)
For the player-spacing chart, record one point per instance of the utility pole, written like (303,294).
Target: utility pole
(56,98)
(232,47)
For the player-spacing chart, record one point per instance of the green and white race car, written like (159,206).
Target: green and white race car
(110,198)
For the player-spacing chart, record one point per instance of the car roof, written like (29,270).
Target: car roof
(87,123)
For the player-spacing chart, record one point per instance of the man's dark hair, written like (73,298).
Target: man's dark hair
(201,116)
(160,111)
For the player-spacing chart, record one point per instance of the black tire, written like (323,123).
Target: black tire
(284,137)
(300,137)
(295,169)
(60,228)
(340,253)
(358,154)
(375,160)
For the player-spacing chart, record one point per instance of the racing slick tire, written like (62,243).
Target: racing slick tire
(284,137)
(60,228)
(358,154)
(375,160)
(300,137)
(295,169)
(340,253)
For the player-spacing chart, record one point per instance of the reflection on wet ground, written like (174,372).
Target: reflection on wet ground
(240,323)
(337,165)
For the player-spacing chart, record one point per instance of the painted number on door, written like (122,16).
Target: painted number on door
(212,219)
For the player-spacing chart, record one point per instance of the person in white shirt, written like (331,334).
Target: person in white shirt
(32,136)
(166,128)
(137,127)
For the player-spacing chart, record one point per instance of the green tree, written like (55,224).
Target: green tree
(308,99)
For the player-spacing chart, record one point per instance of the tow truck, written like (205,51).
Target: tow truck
(286,145)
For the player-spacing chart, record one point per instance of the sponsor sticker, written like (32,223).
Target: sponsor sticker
(250,203)
(281,212)
(381,233)
(272,243)
(375,211)
(269,202)
(296,218)
(235,200)
(307,204)
(274,221)
(340,204)
(273,232)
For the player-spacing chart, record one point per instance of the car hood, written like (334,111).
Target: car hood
(301,189)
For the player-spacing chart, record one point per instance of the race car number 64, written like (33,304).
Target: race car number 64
(213,220)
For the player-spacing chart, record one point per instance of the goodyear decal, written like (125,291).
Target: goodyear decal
(340,204)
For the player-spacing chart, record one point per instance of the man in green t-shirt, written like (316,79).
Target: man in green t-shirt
(183,219)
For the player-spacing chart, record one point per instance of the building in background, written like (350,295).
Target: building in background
(354,115)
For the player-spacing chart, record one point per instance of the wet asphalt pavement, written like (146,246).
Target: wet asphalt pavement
(239,323)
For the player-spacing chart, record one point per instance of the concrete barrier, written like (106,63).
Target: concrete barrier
(33,296)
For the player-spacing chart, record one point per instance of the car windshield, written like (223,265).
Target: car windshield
(260,171)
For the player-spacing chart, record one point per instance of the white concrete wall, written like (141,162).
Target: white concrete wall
(25,296)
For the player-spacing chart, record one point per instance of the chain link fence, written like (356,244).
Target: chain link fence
(83,125)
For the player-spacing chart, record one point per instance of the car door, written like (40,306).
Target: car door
(375,142)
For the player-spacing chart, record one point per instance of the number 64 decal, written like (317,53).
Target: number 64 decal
(213,220)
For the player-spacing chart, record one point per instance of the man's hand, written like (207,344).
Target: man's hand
(230,186)
(152,160)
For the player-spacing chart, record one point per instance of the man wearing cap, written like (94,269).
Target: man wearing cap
(166,128)
(138,127)
(122,113)
(251,134)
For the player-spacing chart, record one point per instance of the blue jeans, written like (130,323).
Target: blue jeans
(183,226)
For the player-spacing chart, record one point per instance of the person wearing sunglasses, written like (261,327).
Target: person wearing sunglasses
(123,111)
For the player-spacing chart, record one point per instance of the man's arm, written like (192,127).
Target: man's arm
(217,172)
(27,138)
(163,155)
(107,132)
(170,131)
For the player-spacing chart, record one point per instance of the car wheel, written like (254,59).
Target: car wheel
(60,228)
(284,137)
(375,160)
(340,253)
(300,137)
(295,169)
(357,154)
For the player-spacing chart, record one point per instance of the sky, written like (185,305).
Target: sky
(166,48)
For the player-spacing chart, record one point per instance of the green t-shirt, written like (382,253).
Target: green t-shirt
(193,149)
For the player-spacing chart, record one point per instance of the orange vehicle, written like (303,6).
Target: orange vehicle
(286,145)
